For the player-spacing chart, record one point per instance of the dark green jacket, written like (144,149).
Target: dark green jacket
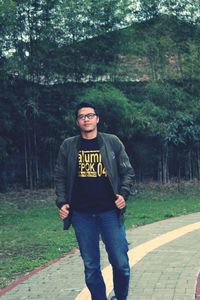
(115,160)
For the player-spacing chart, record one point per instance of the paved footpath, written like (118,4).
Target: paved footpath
(166,264)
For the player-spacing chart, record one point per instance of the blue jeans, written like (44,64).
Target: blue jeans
(88,228)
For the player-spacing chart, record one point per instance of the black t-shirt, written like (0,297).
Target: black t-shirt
(92,191)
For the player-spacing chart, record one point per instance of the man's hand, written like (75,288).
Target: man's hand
(120,202)
(64,211)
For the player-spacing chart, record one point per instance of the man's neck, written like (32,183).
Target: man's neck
(89,135)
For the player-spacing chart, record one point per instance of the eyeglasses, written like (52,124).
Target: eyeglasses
(89,116)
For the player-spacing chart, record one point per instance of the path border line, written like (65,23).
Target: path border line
(197,294)
(136,254)
(15,283)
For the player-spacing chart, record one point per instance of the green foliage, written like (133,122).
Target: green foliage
(56,41)
(52,51)
(147,117)
(183,131)
(114,107)
(148,9)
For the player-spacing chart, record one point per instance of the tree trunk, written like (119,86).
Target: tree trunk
(180,65)
(188,173)
(30,162)
(26,160)
(36,157)
(198,160)
(160,169)
(153,69)
(165,175)
(190,165)
(179,172)
(51,164)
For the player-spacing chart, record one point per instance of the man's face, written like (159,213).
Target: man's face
(87,120)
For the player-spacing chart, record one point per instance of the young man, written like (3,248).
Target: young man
(93,181)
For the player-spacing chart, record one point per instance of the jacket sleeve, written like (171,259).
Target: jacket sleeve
(126,173)
(61,178)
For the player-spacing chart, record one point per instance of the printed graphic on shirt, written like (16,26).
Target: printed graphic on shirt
(90,164)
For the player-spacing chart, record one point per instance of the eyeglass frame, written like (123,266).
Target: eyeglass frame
(89,116)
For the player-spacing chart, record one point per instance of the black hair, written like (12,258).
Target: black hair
(85,104)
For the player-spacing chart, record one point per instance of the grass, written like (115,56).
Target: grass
(31,232)
(156,202)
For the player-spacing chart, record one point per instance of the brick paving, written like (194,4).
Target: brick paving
(169,272)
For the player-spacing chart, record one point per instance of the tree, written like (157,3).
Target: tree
(183,134)
(118,119)
(6,125)
(106,16)
(148,9)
